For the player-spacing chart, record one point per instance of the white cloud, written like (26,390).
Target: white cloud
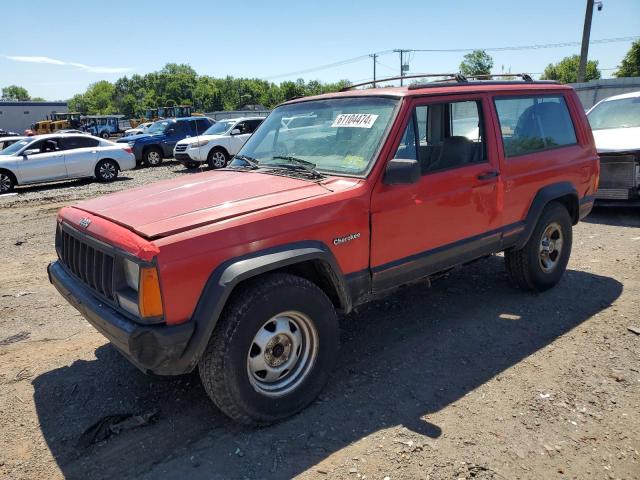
(82,66)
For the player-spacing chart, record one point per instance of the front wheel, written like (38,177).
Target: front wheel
(105,135)
(272,350)
(540,264)
(217,158)
(106,171)
(7,182)
(152,157)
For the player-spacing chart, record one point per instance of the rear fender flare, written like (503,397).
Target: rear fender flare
(563,191)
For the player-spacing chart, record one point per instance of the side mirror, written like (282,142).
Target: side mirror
(171,130)
(236,131)
(31,151)
(402,171)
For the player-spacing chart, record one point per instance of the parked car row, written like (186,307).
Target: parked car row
(54,157)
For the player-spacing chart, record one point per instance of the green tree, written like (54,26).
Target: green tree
(78,103)
(14,92)
(477,62)
(630,65)
(566,70)
(38,99)
(100,98)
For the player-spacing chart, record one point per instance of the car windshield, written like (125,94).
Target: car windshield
(623,113)
(338,136)
(13,148)
(158,127)
(219,128)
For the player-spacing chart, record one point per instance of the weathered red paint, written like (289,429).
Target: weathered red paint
(194,223)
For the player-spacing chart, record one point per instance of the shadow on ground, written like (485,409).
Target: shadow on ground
(402,358)
(619,216)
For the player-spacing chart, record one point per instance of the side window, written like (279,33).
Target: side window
(407,148)
(534,123)
(45,146)
(71,143)
(242,126)
(202,125)
(252,125)
(450,135)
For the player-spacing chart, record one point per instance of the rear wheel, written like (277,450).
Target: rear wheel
(152,157)
(7,182)
(540,264)
(106,171)
(105,135)
(272,350)
(217,158)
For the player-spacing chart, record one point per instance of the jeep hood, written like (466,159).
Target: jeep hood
(192,201)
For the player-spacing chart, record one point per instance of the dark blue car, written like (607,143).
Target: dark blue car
(152,147)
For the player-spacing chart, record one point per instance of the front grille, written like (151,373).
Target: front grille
(617,171)
(90,265)
(613,193)
(181,148)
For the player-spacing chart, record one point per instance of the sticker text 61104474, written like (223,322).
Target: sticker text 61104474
(354,120)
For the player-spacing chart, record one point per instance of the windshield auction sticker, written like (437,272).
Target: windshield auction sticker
(354,120)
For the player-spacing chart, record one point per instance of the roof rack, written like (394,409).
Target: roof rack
(524,76)
(447,77)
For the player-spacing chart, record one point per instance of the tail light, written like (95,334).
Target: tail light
(128,150)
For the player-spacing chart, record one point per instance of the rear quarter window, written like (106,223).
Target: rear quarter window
(534,123)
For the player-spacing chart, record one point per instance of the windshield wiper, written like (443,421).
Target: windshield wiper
(252,162)
(298,162)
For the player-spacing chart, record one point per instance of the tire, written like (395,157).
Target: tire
(152,157)
(7,182)
(106,171)
(105,135)
(535,267)
(235,370)
(217,158)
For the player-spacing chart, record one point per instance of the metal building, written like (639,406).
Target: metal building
(593,91)
(18,116)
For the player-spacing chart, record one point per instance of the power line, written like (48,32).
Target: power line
(450,50)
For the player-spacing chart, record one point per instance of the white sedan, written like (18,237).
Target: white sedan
(218,144)
(54,157)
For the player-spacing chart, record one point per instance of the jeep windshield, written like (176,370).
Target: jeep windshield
(158,127)
(622,113)
(339,136)
(219,128)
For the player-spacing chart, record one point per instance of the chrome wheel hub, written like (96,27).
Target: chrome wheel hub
(154,157)
(550,247)
(107,170)
(5,182)
(282,353)
(218,159)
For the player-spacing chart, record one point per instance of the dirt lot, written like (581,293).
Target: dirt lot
(467,379)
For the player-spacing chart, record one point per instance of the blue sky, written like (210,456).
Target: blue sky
(80,42)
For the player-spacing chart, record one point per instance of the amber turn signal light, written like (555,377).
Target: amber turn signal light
(149,297)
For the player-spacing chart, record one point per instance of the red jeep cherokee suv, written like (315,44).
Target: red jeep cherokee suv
(241,271)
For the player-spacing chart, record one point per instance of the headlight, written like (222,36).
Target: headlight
(201,143)
(132,274)
(141,296)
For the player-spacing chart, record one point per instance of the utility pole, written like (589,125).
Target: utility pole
(402,65)
(374,56)
(586,32)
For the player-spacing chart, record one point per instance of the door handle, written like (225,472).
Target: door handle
(488,175)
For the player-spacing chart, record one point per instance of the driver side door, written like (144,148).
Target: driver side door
(45,165)
(237,141)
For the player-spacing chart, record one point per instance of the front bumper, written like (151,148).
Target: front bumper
(154,349)
(191,155)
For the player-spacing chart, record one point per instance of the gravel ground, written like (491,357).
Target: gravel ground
(467,379)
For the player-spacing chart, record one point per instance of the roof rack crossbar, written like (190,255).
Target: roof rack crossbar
(458,77)
(524,76)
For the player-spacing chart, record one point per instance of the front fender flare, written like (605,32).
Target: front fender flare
(229,274)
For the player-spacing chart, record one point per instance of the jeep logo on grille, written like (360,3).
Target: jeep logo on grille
(84,222)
